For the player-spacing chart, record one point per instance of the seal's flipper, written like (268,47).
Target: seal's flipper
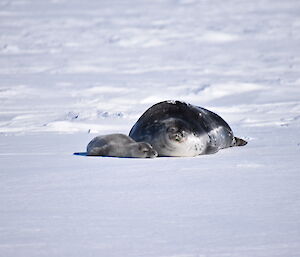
(239,142)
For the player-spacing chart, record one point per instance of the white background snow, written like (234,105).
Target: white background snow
(72,69)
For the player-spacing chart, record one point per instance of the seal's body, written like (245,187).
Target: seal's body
(176,128)
(119,145)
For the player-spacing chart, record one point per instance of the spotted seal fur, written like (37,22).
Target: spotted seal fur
(176,128)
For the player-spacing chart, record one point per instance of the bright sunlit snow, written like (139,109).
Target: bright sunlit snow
(71,70)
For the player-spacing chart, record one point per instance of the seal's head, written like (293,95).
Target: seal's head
(175,137)
(176,130)
(143,150)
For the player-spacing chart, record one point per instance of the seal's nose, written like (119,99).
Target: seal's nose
(178,137)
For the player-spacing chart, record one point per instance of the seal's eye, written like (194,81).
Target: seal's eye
(143,149)
(172,129)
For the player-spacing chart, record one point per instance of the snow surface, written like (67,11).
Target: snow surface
(70,70)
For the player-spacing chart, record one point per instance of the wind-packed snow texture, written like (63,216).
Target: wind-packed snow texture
(70,70)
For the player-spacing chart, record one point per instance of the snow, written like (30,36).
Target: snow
(71,70)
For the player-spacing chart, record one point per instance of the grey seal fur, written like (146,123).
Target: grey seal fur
(119,145)
(175,128)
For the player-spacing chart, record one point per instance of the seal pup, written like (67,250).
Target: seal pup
(175,128)
(119,145)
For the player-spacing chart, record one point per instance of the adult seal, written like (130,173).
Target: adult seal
(119,145)
(176,128)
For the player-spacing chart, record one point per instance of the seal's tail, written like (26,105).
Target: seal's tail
(239,142)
